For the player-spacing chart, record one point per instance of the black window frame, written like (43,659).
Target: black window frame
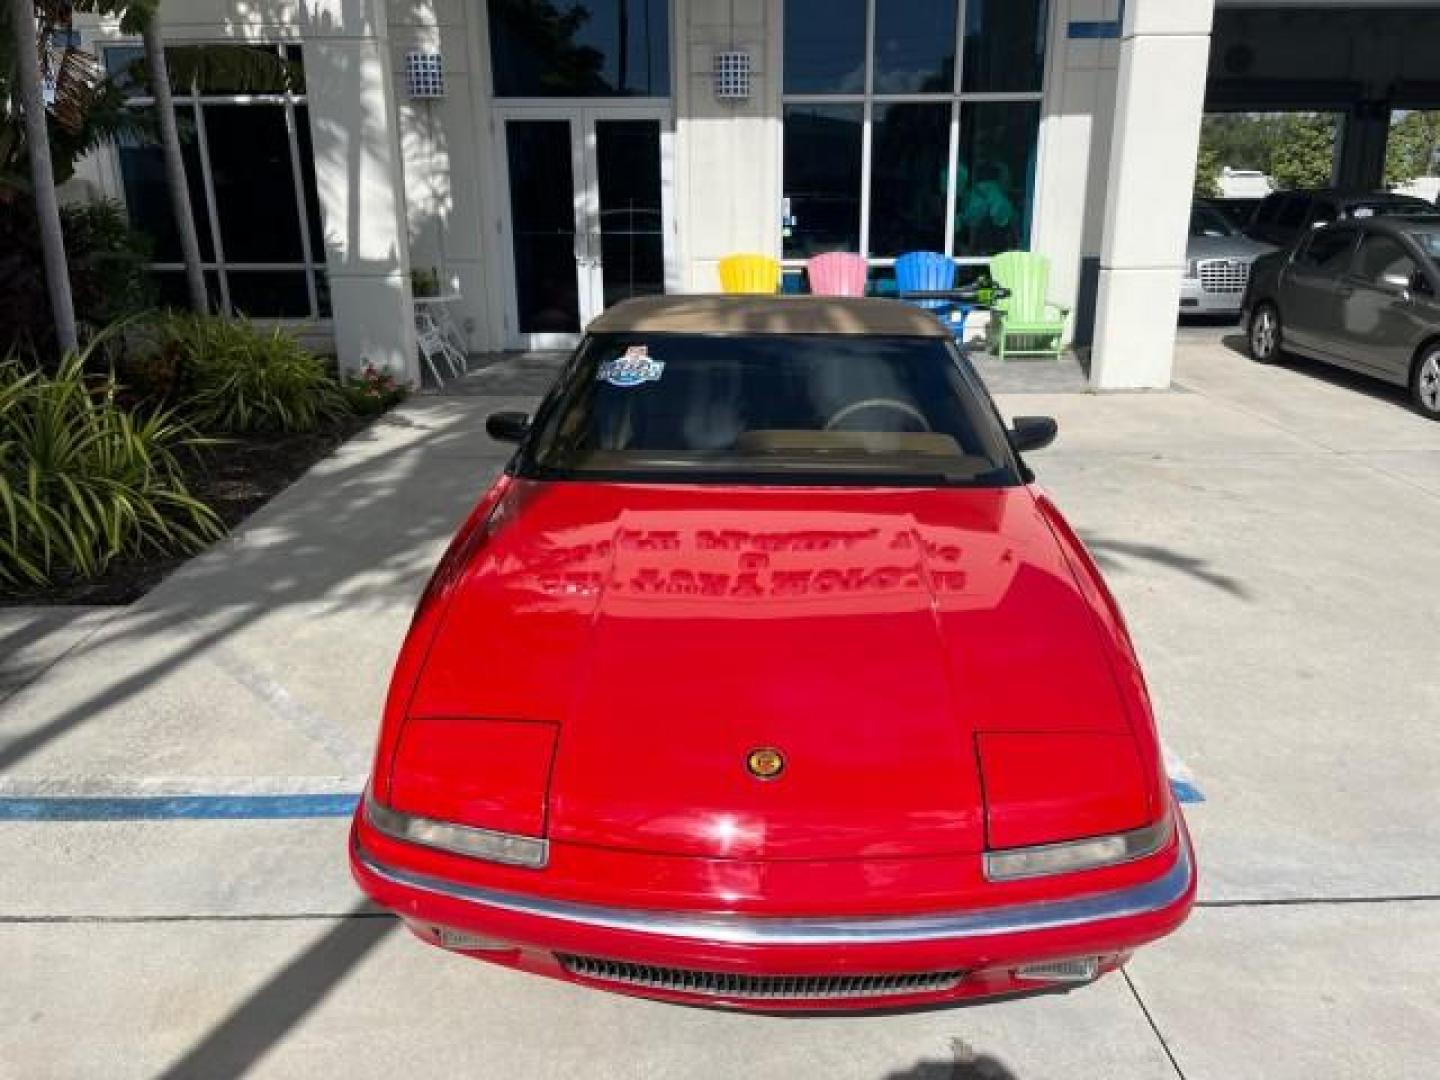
(966,102)
(193,105)
(508,64)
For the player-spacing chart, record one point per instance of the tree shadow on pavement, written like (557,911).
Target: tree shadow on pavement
(964,1064)
(1111,555)
(360,532)
(259,1022)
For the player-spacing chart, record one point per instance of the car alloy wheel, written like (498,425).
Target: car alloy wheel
(1425,383)
(1265,333)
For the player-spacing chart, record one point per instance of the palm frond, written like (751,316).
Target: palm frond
(77,79)
(233,68)
(83,482)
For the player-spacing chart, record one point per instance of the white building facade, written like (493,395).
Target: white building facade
(572,154)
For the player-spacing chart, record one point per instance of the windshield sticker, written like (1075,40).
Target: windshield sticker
(632,369)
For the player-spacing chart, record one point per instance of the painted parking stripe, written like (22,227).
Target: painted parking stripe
(239,798)
(177,807)
(1186,792)
(241,807)
(1182,780)
(109,786)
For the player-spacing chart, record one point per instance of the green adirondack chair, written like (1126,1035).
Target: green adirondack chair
(1025,323)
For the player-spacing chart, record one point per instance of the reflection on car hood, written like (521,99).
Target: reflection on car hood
(1226,247)
(869,635)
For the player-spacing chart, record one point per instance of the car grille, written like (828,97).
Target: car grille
(759,987)
(1224,275)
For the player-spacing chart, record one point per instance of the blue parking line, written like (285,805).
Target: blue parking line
(167,807)
(242,807)
(1186,792)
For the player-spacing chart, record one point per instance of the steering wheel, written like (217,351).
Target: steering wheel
(877,403)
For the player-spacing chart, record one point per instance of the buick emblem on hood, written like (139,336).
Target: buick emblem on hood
(765,763)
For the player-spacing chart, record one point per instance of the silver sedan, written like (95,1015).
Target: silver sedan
(1363,295)
(1217,263)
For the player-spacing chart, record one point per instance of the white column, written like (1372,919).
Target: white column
(358,169)
(728,152)
(1164,54)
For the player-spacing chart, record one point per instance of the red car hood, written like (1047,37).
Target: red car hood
(865,634)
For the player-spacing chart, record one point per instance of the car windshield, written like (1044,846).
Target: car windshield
(802,409)
(1205,221)
(1429,242)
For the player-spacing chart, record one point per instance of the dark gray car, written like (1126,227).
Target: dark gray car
(1284,217)
(1361,294)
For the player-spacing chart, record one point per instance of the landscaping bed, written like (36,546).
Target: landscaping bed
(116,469)
(234,478)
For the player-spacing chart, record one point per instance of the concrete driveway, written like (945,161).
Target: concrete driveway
(1271,533)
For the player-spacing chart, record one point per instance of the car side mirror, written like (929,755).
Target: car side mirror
(1033,432)
(507,426)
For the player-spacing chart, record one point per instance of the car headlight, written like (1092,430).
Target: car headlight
(1072,855)
(461,839)
(1192,268)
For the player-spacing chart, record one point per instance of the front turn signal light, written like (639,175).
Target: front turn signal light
(1072,855)
(498,847)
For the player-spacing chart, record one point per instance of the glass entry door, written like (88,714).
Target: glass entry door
(589,215)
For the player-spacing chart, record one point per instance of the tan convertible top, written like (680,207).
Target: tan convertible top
(767,315)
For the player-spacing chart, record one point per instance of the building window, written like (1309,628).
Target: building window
(562,48)
(251,171)
(891,146)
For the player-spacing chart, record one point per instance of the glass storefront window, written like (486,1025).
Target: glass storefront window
(1005,45)
(822,163)
(909,174)
(915,47)
(598,48)
(632,219)
(147,192)
(888,148)
(994,188)
(542,221)
(254,187)
(282,294)
(250,167)
(825,46)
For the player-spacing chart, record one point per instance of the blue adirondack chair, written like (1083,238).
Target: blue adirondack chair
(925,271)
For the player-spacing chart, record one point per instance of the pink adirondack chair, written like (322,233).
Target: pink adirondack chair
(837,273)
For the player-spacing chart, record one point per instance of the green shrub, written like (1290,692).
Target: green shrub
(235,378)
(109,272)
(84,481)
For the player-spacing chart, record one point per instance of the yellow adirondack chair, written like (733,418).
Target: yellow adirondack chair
(749,274)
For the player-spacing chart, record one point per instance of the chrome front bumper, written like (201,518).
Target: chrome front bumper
(1148,898)
(1196,300)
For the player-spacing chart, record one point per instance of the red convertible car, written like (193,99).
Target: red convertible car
(765,677)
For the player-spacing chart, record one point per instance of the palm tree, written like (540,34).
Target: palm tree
(29,91)
(174,161)
(88,109)
(257,71)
